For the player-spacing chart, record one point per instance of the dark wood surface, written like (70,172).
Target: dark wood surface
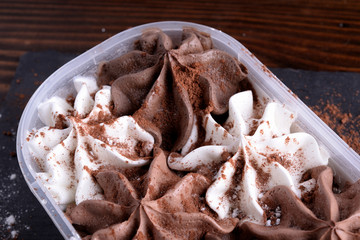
(311,35)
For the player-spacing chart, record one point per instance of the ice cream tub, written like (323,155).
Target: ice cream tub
(343,160)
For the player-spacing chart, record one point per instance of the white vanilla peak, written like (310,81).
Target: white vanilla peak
(50,110)
(270,156)
(92,138)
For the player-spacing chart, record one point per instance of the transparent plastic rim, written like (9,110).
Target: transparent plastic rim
(344,160)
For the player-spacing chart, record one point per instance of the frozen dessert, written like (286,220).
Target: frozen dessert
(171,141)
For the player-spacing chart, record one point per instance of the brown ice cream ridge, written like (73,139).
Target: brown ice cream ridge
(324,214)
(157,205)
(165,88)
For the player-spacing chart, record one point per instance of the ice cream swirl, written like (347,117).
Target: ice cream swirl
(260,153)
(324,214)
(155,205)
(82,137)
(165,86)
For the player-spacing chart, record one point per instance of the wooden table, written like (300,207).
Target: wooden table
(313,35)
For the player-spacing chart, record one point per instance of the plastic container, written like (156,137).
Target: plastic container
(344,161)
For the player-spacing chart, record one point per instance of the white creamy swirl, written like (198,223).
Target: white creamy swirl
(269,156)
(93,138)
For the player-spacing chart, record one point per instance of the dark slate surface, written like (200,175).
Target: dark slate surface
(339,88)
(31,221)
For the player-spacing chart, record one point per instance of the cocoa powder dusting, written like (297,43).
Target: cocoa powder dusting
(70,100)
(229,125)
(7,133)
(189,78)
(97,132)
(102,117)
(140,149)
(344,124)
(287,140)
(262,177)
(163,118)
(233,192)
(86,168)
(60,122)
(91,153)
(306,176)
(210,170)
(280,159)
(308,197)
(226,155)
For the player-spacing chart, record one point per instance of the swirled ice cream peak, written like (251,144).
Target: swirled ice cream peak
(262,153)
(82,137)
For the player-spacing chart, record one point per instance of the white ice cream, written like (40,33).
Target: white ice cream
(272,155)
(93,138)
